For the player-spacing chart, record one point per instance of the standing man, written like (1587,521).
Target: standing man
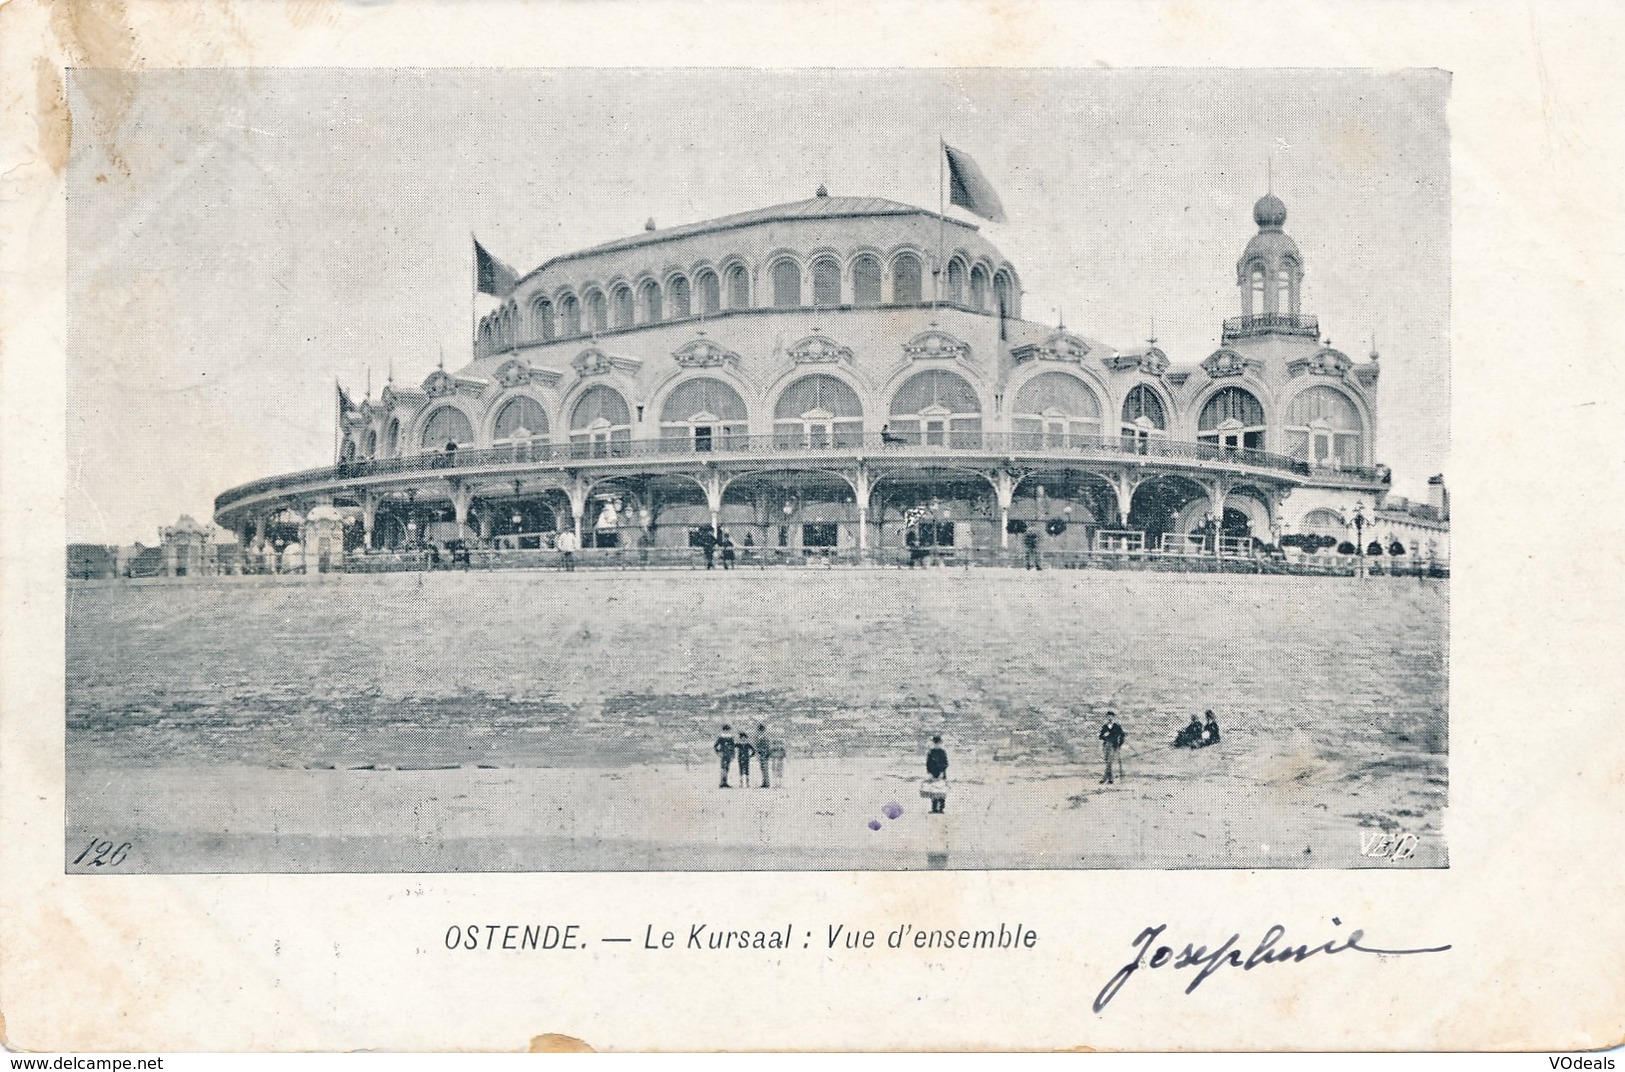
(726,542)
(708,546)
(1210,730)
(725,748)
(745,751)
(1111,741)
(936,768)
(764,749)
(1029,540)
(566,543)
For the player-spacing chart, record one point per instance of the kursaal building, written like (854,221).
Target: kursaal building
(849,374)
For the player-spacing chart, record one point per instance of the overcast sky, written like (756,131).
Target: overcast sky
(237,239)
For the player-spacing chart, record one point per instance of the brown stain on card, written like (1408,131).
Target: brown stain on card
(95,36)
(51,115)
(554,1043)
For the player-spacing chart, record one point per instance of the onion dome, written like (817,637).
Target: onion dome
(1269,213)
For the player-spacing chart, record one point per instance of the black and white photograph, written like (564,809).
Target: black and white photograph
(744,470)
(796,528)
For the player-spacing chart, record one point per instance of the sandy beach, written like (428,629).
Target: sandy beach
(467,721)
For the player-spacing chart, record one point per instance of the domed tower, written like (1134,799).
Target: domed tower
(1270,271)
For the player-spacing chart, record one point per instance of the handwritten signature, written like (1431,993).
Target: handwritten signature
(1268,951)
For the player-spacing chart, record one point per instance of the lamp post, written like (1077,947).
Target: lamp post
(1359,535)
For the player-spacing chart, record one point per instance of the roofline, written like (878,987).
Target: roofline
(638,242)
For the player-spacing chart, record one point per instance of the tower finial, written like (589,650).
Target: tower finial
(442,357)
(369,383)
(1060,318)
(391,372)
(1152,338)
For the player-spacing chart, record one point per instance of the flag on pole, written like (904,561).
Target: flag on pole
(345,404)
(491,276)
(968,187)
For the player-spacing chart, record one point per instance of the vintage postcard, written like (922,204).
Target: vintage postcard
(811,534)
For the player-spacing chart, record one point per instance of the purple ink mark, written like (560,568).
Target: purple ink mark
(874,824)
(892,811)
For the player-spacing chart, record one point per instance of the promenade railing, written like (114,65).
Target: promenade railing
(874,445)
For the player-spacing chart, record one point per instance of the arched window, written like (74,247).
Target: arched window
(600,423)
(347,451)
(597,311)
(786,284)
(1233,420)
(866,281)
(569,317)
(392,438)
(1323,427)
(706,412)
(677,293)
(1004,295)
(710,292)
(1054,410)
(651,302)
(738,287)
(446,425)
(956,282)
(620,303)
(372,442)
(541,318)
(487,334)
(826,282)
(1256,303)
(520,418)
(905,279)
(818,411)
(937,408)
(978,289)
(1143,419)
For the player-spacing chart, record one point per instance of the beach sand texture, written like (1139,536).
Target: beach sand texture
(547,721)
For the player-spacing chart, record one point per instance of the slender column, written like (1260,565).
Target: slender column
(462,497)
(369,514)
(1125,486)
(577,489)
(711,483)
(1004,488)
(259,533)
(862,485)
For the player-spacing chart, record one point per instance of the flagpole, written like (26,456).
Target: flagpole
(942,217)
(473,297)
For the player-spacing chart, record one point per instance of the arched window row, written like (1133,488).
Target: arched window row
(865,278)
(1322,424)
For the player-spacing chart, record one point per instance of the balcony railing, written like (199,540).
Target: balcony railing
(1242,327)
(877,445)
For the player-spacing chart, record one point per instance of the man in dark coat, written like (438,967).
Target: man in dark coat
(1111,743)
(725,748)
(764,749)
(1029,540)
(745,750)
(726,542)
(708,547)
(936,767)
(1210,730)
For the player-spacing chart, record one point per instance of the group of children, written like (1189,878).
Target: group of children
(732,749)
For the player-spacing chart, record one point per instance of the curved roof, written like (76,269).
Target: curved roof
(811,209)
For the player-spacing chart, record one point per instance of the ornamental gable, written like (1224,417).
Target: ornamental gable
(1151,361)
(1061,346)
(519,372)
(819,349)
(1325,362)
(704,353)
(936,346)
(1225,362)
(595,362)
